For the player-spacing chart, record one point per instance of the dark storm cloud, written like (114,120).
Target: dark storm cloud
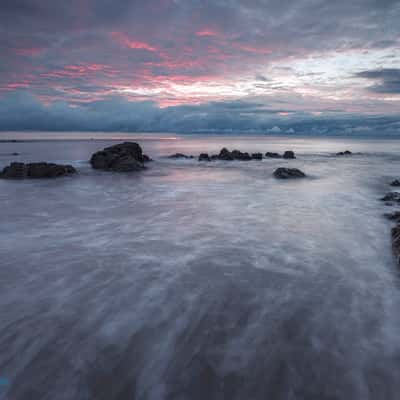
(388,80)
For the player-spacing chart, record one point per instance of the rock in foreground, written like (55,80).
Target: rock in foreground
(396,242)
(122,157)
(18,170)
(288,173)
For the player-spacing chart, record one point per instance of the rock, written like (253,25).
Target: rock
(273,155)
(288,173)
(238,155)
(179,155)
(17,170)
(391,197)
(396,182)
(15,154)
(257,156)
(395,216)
(225,155)
(204,157)
(344,153)
(122,157)
(289,154)
(396,242)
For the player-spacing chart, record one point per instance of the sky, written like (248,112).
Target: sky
(268,66)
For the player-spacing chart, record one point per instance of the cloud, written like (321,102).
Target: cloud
(388,80)
(22,111)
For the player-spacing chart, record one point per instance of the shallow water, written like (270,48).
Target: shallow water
(200,280)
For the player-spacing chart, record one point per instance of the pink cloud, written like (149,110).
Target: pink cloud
(126,41)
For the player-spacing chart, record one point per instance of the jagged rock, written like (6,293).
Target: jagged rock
(289,154)
(391,197)
(18,170)
(273,155)
(344,153)
(396,182)
(204,157)
(257,156)
(122,157)
(288,173)
(179,155)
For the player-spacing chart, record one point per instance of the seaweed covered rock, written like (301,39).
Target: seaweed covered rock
(19,170)
(288,173)
(122,157)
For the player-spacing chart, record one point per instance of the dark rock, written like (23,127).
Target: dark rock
(15,154)
(179,155)
(238,155)
(344,153)
(396,182)
(204,157)
(17,170)
(396,242)
(391,197)
(257,156)
(122,157)
(289,154)
(288,173)
(214,157)
(273,155)
(225,155)
(395,216)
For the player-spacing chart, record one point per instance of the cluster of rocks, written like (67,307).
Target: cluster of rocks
(227,155)
(122,157)
(19,170)
(391,199)
(344,153)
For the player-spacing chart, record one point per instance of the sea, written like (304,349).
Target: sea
(199,280)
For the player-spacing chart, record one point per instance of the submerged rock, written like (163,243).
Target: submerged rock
(272,155)
(288,173)
(257,156)
(179,155)
(391,197)
(344,153)
(396,182)
(19,170)
(289,154)
(122,157)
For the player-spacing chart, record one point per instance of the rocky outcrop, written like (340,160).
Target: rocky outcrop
(179,155)
(18,170)
(272,155)
(122,157)
(288,173)
(289,154)
(344,153)
(238,155)
(204,157)
(257,156)
(396,182)
(396,242)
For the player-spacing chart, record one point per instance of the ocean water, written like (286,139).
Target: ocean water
(200,280)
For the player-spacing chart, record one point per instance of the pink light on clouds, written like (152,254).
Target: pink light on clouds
(28,52)
(126,41)
(207,32)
